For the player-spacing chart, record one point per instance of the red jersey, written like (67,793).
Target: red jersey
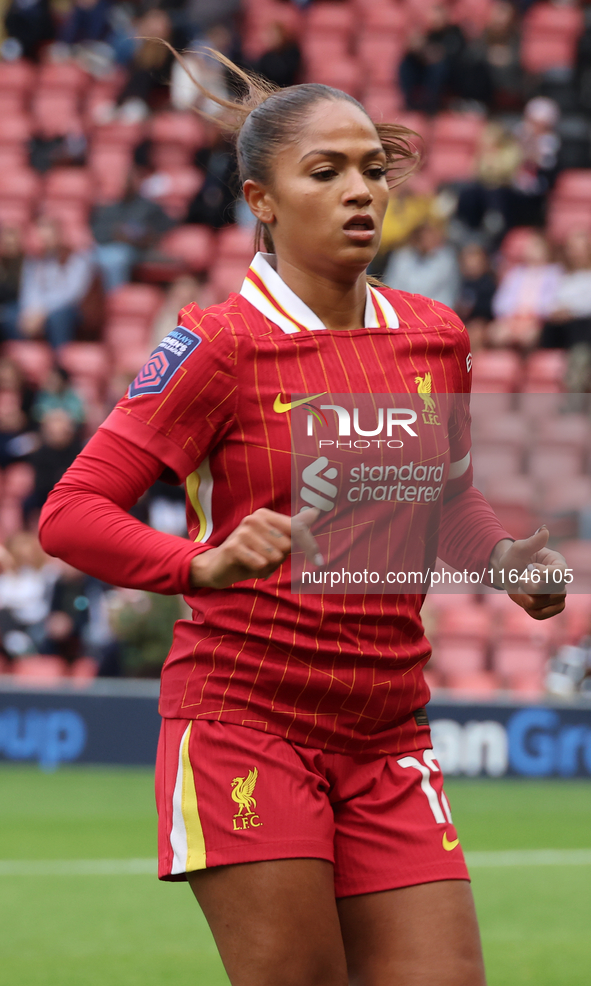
(335,672)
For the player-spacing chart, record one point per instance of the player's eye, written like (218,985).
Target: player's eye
(376,172)
(325,174)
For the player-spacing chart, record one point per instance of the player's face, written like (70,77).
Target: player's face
(328,196)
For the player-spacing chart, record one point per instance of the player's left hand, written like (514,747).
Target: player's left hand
(532,555)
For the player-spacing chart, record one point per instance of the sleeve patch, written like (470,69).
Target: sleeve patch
(164,362)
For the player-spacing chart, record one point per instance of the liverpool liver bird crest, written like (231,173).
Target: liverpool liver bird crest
(242,788)
(424,389)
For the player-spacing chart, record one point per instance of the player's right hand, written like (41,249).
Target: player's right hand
(255,549)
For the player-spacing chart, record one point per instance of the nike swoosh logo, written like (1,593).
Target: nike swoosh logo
(280,407)
(449,845)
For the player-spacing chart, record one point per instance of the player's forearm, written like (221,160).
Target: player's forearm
(470,532)
(98,537)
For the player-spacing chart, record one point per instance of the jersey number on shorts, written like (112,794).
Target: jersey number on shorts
(424,769)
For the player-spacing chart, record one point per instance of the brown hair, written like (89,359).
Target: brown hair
(264,118)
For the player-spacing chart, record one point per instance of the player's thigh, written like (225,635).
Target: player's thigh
(275,923)
(425,935)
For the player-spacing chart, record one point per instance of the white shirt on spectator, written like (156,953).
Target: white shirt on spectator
(47,285)
(574,293)
(433,274)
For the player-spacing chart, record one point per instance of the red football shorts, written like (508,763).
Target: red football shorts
(232,794)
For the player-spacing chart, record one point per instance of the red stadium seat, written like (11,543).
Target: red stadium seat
(472,15)
(380,57)
(191,243)
(383,17)
(20,186)
(13,157)
(109,165)
(12,103)
(63,77)
(549,36)
(19,479)
(458,129)
(139,300)
(479,684)
(18,76)
(317,51)
(14,128)
(514,246)
(84,669)
(509,429)
(176,137)
(235,243)
(459,658)
(330,20)
(35,359)
(566,430)
(41,668)
(469,623)
(545,370)
(129,359)
(578,556)
(71,215)
(16,214)
(130,333)
(536,406)
(226,278)
(485,405)
(56,114)
(514,500)
(495,370)
(119,133)
(450,164)
(85,359)
(343,73)
(383,103)
(73,184)
(573,185)
(520,658)
(560,497)
(565,217)
(493,461)
(546,461)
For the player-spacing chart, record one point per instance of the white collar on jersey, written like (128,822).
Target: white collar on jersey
(268,293)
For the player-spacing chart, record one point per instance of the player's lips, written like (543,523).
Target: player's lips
(360,228)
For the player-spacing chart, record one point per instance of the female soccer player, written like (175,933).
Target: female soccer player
(297,789)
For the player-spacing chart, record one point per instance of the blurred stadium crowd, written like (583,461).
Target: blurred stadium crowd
(119,205)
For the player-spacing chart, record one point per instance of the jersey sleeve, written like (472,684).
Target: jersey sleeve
(183,399)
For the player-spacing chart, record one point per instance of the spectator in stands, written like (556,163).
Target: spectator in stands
(26,585)
(200,66)
(57,393)
(68,616)
(13,425)
(428,265)
(491,70)
(569,322)
(281,60)
(181,292)
(11,262)
(486,203)
(410,205)
(53,286)
(30,23)
(143,623)
(540,144)
(147,85)
(12,381)
(525,297)
(59,447)
(431,63)
(125,230)
(88,20)
(214,203)
(477,288)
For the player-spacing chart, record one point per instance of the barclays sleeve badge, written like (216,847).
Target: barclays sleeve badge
(162,365)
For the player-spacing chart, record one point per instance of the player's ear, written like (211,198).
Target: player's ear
(258,200)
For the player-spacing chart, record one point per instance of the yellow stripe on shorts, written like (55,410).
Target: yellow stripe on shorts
(196,854)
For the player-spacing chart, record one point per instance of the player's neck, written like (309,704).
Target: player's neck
(339,305)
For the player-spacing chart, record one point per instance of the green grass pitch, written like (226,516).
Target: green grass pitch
(132,931)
